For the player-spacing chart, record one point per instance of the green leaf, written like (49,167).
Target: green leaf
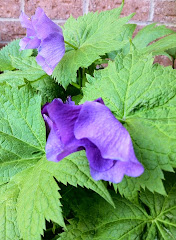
(8,214)
(12,49)
(93,34)
(143,97)
(172,52)
(125,34)
(150,33)
(127,220)
(22,131)
(161,45)
(48,89)
(30,193)
(162,211)
(74,169)
(143,38)
(29,66)
(42,191)
(28,69)
(13,78)
(42,202)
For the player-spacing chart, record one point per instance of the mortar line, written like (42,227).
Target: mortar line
(144,23)
(17,20)
(9,20)
(4,42)
(140,23)
(151,11)
(22,5)
(85,6)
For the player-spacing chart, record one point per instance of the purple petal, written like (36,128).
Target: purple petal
(43,25)
(29,43)
(61,140)
(55,148)
(100,100)
(51,51)
(25,21)
(97,123)
(41,61)
(69,101)
(95,159)
(117,172)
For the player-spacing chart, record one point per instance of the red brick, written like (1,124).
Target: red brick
(2,45)
(165,11)
(163,60)
(11,30)
(10,8)
(173,28)
(140,7)
(55,9)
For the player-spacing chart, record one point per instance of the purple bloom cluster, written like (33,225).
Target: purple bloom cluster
(46,36)
(90,126)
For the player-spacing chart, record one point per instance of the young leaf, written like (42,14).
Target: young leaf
(22,131)
(150,33)
(161,45)
(93,35)
(12,49)
(142,39)
(95,219)
(143,97)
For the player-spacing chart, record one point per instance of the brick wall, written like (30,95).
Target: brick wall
(147,11)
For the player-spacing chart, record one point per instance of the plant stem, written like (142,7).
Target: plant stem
(70,45)
(75,85)
(83,78)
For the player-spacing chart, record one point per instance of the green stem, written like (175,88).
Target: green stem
(75,85)
(84,79)
(71,45)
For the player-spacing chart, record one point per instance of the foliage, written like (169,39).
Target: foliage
(42,199)
(152,218)
(142,96)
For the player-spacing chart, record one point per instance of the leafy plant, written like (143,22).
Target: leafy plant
(55,200)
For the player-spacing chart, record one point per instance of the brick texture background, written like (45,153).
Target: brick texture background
(147,11)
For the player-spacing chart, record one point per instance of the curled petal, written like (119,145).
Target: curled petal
(41,61)
(116,173)
(51,51)
(61,135)
(43,25)
(55,148)
(97,123)
(92,127)
(29,43)
(25,21)
(95,159)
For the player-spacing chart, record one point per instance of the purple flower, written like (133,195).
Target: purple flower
(90,126)
(46,36)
